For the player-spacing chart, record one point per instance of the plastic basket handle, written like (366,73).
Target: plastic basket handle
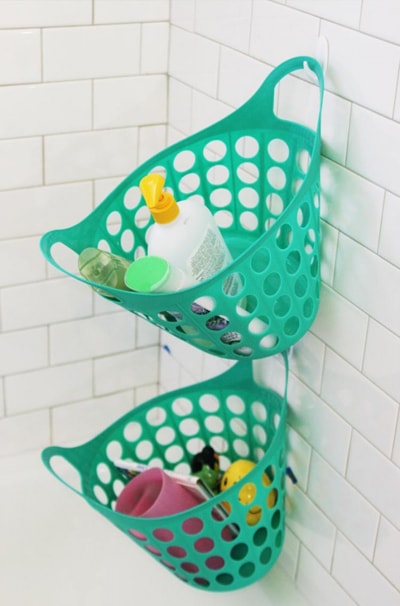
(262,102)
(68,455)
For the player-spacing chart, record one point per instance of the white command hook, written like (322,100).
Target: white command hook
(321,55)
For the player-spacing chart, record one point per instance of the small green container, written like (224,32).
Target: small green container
(259,176)
(239,419)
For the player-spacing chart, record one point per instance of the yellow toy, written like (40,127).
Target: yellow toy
(234,474)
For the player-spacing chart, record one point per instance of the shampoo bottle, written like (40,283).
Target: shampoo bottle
(184,233)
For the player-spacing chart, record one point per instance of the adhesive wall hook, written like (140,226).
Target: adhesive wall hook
(322,56)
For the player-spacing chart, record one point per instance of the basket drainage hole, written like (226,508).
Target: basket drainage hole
(215,562)
(246,570)
(170,316)
(202,305)
(189,567)
(225,579)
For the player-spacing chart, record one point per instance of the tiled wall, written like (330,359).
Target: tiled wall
(83,99)
(343,537)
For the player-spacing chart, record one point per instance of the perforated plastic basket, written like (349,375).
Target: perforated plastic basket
(259,176)
(204,548)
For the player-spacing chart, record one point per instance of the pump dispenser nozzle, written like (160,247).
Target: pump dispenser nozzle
(161,204)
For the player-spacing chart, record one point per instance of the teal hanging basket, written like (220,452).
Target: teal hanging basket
(220,544)
(259,176)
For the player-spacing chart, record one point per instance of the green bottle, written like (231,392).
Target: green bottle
(104,268)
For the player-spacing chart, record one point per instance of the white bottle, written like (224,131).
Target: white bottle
(184,233)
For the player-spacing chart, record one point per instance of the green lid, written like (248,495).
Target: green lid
(147,274)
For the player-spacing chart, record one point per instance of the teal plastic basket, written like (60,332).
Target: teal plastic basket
(259,176)
(201,546)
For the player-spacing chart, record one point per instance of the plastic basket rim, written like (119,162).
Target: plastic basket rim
(142,169)
(279,433)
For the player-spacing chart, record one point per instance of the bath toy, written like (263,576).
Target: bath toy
(235,472)
(205,465)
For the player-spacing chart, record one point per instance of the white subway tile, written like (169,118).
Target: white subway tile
(180,106)
(312,527)
(336,110)
(2,406)
(212,366)
(24,432)
(341,325)
(317,584)
(307,361)
(206,111)
(226,21)
(174,135)
(155,45)
(75,423)
(369,282)
(91,52)
(351,204)
(22,49)
(104,305)
(329,242)
(126,370)
(188,357)
(197,66)
(169,365)
(23,350)
(131,11)
(42,13)
(372,82)
(381,19)
(21,262)
(90,155)
(2,403)
(104,187)
(20,162)
(183,13)
(373,148)
(397,104)
(381,362)
(234,65)
(344,506)
(279,33)
(396,448)
(318,424)
(152,139)
(91,337)
(48,387)
(376,477)
(130,101)
(36,210)
(389,244)
(40,109)
(387,552)
(360,402)
(147,334)
(43,303)
(305,110)
(359,578)
(290,553)
(337,12)
(145,393)
(298,458)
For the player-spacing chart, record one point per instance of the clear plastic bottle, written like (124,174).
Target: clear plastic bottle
(104,268)
(184,233)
